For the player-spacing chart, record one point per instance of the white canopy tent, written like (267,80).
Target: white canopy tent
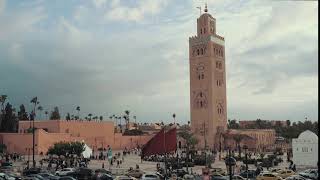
(87,151)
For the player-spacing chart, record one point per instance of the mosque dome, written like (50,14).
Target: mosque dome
(309,135)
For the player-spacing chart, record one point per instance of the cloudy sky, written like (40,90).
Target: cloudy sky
(111,55)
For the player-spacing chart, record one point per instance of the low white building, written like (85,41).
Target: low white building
(305,149)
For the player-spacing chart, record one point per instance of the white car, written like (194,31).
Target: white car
(5,176)
(64,171)
(150,176)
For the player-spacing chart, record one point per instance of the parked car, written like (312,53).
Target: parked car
(30,178)
(248,161)
(6,177)
(137,173)
(31,171)
(237,177)
(218,170)
(67,178)
(310,173)
(268,176)
(6,163)
(15,176)
(189,177)
(296,177)
(125,178)
(274,170)
(150,176)
(64,171)
(285,173)
(104,177)
(250,173)
(36,176)
(102,171)
(81,173)
(179,172)
(49,176)
(217,176)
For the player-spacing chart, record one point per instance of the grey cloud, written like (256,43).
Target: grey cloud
(146,70)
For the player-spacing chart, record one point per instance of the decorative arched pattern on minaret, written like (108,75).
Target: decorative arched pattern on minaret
(200,100)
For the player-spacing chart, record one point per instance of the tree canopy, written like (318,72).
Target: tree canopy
(292,130)
(55,115)
(66,148)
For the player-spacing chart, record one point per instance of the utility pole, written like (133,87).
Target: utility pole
(205,142)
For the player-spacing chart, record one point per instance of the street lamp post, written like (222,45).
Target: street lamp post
(230,163)
(35,102)
(245,147)
(28,150)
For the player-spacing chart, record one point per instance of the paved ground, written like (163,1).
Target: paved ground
(133,160)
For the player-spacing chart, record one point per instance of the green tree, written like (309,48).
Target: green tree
(3,148)
(126,117)
(55,115)
(100,118)
(232,124)
(40,108)
(9,121)
(190,141)
(238,138)
(3,99)
(66,148)
(46,113)
(78,109)
(189,138)
(90,115)
(23,114)
(68,118)
(288,122)
(174,118)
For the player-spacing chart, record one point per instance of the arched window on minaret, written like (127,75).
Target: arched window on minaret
(201,51)
(198,52)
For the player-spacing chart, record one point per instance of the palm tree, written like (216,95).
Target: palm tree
(174,118)
(40,108)
(89,116)
(135,121)
(238,138)
(78,109)
(126,118)
(120,124)
(46,113)
(2,101)
(35,102)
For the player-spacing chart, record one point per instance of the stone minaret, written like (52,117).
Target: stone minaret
(208,99)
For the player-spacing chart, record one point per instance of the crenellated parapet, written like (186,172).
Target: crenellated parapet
(219,37)
(194,40)
(198,40)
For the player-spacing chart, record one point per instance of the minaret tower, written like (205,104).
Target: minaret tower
(208,101)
